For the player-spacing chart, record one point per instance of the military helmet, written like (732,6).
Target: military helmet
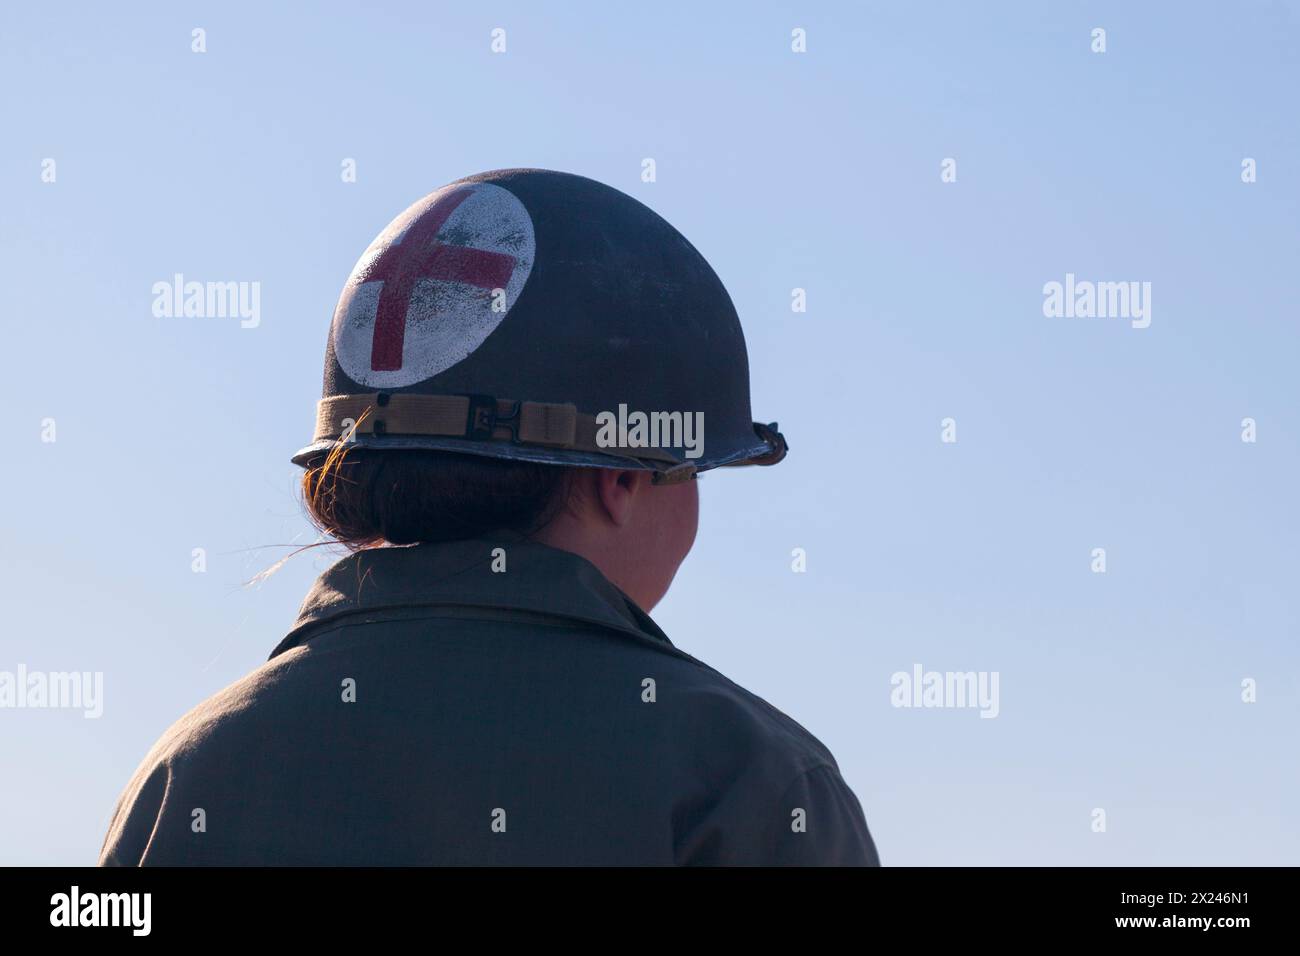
(545,317)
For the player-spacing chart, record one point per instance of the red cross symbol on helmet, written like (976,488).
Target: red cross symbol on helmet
(433,286)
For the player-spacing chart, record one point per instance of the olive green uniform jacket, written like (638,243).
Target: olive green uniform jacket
(429,707)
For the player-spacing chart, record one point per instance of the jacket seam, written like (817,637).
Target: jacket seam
(772,849)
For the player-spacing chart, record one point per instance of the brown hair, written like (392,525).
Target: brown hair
(365,497)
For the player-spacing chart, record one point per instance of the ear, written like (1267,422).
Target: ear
(616,492)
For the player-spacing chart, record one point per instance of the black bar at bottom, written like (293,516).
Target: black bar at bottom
(1218,906)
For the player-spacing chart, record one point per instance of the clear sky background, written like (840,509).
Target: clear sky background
(1119,691)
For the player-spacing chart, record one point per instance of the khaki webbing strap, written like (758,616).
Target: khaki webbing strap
(475,417)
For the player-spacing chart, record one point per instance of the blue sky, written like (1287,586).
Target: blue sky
(820,171)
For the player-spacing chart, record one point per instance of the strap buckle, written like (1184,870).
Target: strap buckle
(482,418)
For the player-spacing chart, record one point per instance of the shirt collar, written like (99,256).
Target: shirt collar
(537,579)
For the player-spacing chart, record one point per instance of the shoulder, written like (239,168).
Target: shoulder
(757,787)
(211,736)
(724,713)
(765,791)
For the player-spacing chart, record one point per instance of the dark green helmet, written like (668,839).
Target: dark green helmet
(545,317)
